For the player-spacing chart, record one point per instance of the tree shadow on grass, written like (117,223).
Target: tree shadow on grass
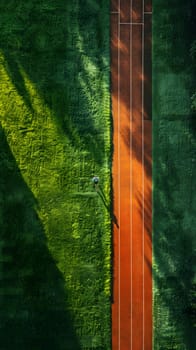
(108,207)
(61,48)
(33,297)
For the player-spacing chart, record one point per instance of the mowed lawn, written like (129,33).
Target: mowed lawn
(174,173)
(55,236)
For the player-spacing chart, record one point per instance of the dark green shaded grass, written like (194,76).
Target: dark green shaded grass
(174,172)
(34,302)
(55,114)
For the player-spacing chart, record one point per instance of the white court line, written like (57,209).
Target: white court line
(131,174)
(143,280)
(119,241)
(130,23)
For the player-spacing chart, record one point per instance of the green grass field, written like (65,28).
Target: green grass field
(174,173)
(55,237)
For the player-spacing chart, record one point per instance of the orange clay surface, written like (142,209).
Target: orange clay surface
(131,108)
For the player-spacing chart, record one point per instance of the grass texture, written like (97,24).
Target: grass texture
(174,172)
(55,237)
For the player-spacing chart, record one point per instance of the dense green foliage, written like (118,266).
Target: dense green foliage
(55,237)
(174,173)
(193,64)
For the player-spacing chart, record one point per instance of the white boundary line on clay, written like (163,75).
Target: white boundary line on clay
(143,218)
(119,241)
(130,23)
(131,174)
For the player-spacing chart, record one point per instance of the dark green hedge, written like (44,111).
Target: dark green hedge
(174,172)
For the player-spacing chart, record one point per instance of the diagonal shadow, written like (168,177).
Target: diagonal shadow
(107,206)
(33,296)
(49,41)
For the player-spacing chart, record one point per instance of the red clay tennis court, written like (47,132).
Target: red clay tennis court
(132,180)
